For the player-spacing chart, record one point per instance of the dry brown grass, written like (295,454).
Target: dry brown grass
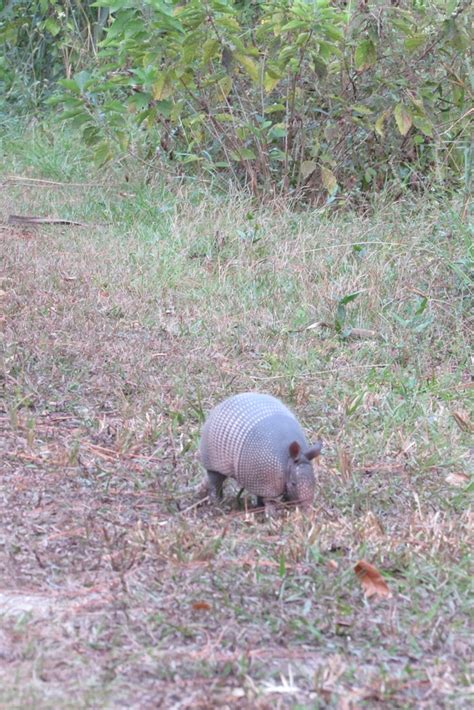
(116,590)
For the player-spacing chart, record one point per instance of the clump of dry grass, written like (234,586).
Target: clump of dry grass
(117,339)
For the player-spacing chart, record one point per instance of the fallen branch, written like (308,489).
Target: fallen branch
(201,501)
(19,219)
(47,183)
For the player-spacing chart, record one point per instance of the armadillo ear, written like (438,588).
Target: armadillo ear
(314,451)
(294,449)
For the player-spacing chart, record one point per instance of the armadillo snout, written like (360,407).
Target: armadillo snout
(306,488)
(302,484)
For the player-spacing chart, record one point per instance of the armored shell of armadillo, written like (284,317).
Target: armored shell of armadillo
(247,437)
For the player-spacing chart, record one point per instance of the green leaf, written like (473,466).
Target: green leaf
(209,50)
(162,88)
(225,86)
(102,153)
(114,105)
(424,125)
(406,27)
(294,25)
(139,101)
(341,310)
(403,118)
(123,140)
(340,317)
(231,24)
(422,306)
(72,113)
(52,26)
(223,117)
(193,158)
(365,55)
(412,43)
(113,5)
(243,154)
(350,297)
(91,135)
(282,565)
(275,108)
(278,130)
(144,115)
(355,403)
(369,175)
(277,154)
(269,82)
(80,120)
(327,49)
(248,64)
(361,109)
(222,6)
(70,84)
(164,107)
(333,33)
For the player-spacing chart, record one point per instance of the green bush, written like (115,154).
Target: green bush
(317,99)
(41,42)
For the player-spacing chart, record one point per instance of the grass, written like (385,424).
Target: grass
(116,589)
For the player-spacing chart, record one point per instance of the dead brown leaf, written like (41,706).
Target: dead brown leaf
(463,421)
(345,463)
(363,334)
(201,606)
(457,479)
(371,580)
(371,527)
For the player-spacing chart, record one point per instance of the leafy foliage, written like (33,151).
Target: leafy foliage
(43,41)
(321,99)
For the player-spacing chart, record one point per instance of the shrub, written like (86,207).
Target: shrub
(311,98)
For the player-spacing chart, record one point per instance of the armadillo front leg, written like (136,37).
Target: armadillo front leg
(270,506)
(215,482)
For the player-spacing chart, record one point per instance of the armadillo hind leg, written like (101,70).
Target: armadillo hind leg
(216,483)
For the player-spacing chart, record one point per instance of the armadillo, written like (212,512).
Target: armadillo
(256,440)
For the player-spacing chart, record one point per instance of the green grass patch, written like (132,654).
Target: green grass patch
(119,336)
